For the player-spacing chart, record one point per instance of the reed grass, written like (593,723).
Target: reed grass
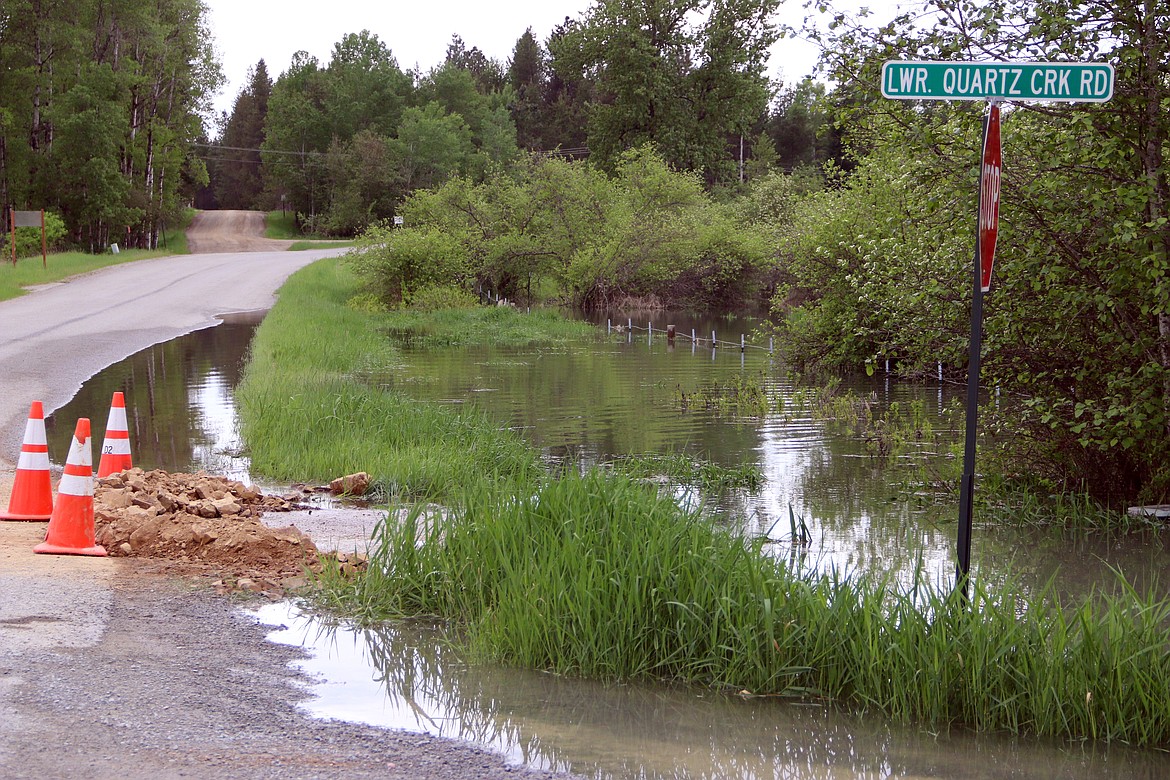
(602,576)
(1078,515)
(743,394)
(312,408)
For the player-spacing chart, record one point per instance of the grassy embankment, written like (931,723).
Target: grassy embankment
(602,576)
(316,399)
(31,271)
(282,225)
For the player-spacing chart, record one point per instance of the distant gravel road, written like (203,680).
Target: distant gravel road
(108,670)
(230,231)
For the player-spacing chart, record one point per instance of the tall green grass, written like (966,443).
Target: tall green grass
(603,577)
(312,408)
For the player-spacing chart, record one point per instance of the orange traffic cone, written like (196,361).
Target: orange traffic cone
(116,445)
(71,530)
(32,489)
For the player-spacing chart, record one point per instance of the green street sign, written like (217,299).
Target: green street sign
(1067,82)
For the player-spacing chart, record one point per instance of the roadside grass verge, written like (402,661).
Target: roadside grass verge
(284,226)
(300,246)
(32,271)
(312,407)
(29,271)
(601,576)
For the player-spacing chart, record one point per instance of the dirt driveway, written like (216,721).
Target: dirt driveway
(114,668)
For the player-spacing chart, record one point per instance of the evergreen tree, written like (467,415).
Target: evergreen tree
(238,177)
(681,74)
(527,74)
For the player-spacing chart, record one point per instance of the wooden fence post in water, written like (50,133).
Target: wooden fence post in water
(670,335)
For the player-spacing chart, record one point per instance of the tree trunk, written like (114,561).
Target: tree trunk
(1158,207)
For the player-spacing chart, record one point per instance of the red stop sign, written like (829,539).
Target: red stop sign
(989,196)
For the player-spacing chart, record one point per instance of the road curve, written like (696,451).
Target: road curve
(60,335)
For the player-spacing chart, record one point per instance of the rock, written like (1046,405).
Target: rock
(351,484)
(116,498)
(203,533)
(156,514)
(226,506)
(169,502)
(145,501)
(138,515)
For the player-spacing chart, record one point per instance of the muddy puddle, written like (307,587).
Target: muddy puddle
(406,677)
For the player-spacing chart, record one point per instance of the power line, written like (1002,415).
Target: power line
(261,151)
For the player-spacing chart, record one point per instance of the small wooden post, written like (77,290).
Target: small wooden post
(670,335)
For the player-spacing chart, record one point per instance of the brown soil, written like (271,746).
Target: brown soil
(202,523)
(214,232)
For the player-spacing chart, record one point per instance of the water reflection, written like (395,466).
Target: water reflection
(897,516)
(180,402)
(407,677)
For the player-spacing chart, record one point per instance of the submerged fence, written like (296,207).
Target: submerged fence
(671,334)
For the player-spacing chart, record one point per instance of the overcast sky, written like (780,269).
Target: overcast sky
(417,33)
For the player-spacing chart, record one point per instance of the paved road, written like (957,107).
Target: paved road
(60,335)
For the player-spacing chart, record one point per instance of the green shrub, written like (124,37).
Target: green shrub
(435,297)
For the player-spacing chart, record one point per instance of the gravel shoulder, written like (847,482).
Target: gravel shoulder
(182,684)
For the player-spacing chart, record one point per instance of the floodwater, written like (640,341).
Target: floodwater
(407,677)
(592,402)
(180,403)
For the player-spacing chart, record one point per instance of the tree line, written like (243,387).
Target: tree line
(100,103)
(342,143)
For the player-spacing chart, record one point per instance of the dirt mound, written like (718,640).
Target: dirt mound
(201,519)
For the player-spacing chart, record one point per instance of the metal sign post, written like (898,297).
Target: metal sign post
(994,82)
(985,239)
